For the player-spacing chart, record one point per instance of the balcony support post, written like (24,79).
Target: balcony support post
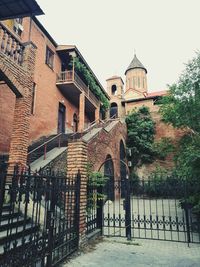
(81,112)
(97,114)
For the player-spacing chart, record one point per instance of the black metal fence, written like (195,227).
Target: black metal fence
(153,209)
(39,218)
(94,208)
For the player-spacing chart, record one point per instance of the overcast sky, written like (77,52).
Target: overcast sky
(164,33)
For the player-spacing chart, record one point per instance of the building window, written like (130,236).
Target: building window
(143,82)
(138,82)
(114,89)
(17,27)
(133,82)
(49,57)
(33,99)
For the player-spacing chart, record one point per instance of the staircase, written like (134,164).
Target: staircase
(44,151)
(13,226)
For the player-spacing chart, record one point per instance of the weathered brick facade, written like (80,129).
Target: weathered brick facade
(20,81)
(107,143)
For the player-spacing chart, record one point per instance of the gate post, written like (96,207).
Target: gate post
(128,209)
(77,162)
(100,210)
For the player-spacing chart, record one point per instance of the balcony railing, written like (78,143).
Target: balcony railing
(72,77)
(10,45)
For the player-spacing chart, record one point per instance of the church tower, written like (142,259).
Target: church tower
(115,89)
(136,80)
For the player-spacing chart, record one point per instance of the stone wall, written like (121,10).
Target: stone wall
(58,165)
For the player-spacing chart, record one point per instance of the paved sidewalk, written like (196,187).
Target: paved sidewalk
(118,252)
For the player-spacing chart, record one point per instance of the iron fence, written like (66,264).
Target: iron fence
(39,223)
(159,209)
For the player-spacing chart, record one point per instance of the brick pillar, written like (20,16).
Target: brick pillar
(81,112)
(20,132)
(77,160)
(21,121)
(97,110)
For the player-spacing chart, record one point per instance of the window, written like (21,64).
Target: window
(133,82)
(17,27)
(49,57)
(143,82)
(114,89)
(138,82)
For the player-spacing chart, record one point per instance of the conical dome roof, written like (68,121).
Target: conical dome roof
(136,64)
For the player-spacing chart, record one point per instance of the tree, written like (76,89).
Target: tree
(141,131)
(181,108)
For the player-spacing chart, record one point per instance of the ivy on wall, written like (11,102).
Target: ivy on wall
(82,70)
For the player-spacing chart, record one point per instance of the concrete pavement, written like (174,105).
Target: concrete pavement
(117,252)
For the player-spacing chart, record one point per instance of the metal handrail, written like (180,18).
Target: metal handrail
(44,144)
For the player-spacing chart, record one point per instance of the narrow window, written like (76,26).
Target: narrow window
(133,82)
(49,57)
(33,99)
(138,82)
(114,89)
(143,82)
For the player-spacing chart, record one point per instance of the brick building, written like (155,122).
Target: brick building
(60,100)
(134,94)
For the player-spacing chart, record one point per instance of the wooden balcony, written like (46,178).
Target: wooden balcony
(72,86)
(10,45)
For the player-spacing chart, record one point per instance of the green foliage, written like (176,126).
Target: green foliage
(141,131)
(83,71)
(181,108)
(163,147)
(96,181)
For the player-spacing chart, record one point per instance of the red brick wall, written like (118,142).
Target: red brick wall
(44,121)
(107,143)
(7,105)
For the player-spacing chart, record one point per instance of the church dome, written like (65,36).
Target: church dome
(136,64)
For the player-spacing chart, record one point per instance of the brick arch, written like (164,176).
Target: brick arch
(107,143)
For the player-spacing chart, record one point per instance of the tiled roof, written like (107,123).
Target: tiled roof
(135,64)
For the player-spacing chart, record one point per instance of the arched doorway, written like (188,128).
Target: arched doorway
(75,122)
(113,110)
(109,173)
(123,171)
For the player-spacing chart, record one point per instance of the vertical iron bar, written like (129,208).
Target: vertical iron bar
(3,168)
(78,193)
(128,210)
(100,209)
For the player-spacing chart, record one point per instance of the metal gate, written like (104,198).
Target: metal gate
(39,221)
(152,209)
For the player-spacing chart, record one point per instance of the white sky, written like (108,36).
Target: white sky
(165,34)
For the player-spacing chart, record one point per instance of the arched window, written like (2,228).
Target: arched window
(109,173)
(75,122)
(114,89)
(113,110)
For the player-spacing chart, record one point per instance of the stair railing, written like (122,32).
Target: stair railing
(45,145)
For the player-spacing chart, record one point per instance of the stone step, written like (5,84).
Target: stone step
(13,235)
(13,223)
